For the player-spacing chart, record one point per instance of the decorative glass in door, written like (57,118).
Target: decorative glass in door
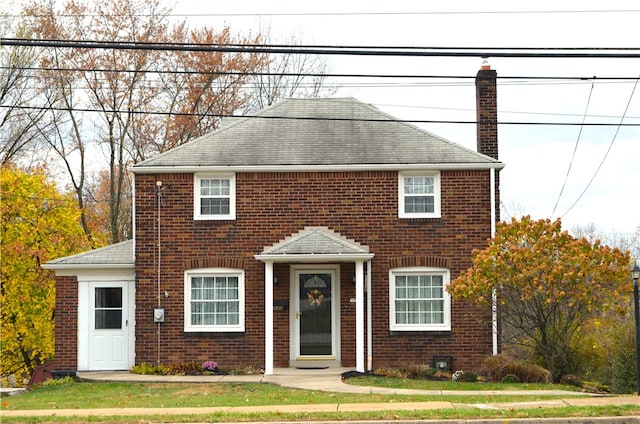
(315,314)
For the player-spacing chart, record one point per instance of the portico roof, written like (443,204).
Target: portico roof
(315,244)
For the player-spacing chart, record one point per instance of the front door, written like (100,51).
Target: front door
(316,315)
(108,326)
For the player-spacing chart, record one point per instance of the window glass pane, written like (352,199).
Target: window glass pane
(419,204)
(419,299)
(108,319)
(214,187)
(215,300)
(214,206)
(108,297)
(418,185)
(107,308)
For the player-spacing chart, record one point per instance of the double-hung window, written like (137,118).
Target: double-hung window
(215,197)
(214,300)
(419,195)
(419,300)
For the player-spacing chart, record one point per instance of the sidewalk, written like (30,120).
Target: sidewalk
(330,380)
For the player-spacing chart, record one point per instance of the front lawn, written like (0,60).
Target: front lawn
(422,384)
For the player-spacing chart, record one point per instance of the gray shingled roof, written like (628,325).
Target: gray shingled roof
(320,241)
(316,132)
(118,255)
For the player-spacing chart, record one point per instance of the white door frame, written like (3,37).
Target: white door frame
(86,287)
(321,360)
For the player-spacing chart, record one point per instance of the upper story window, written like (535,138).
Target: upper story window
(419,300)
(214,300)
(419,195)
(215,197)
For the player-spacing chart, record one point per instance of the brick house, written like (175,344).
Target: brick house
(319,232)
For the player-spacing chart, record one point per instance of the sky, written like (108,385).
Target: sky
(583,175)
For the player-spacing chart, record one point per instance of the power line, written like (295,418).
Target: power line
(607,152)
(314,74)
(575,149)
(406,51)
(311,118)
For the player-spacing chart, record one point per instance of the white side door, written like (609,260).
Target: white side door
(108,329)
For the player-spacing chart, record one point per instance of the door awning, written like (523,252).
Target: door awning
(315,244)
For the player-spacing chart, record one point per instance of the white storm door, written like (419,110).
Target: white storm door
(108,326)
(316,307)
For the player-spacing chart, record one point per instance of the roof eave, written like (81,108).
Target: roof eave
(315,257)
(309,168)
(68,266)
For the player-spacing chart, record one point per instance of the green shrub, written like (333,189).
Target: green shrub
(469,377)
(510,378)
(146,368)
(59,381)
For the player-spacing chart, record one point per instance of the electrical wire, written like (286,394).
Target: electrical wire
(385,51)
(606,153)
(313,118)
(575,149)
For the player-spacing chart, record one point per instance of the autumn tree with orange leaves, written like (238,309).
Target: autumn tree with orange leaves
(106,109)
(547,285)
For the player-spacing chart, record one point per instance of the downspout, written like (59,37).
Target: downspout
(360,366)
(369,317)
(494,298)
(268,318)
(159,194)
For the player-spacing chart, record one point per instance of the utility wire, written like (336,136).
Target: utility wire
(313,74)
(606,153)
(308,118)
(408,51)
(575,149)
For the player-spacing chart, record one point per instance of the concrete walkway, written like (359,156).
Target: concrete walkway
(330,380)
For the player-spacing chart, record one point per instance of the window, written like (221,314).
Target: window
(419,195)
(419,300)
(214,300)
(215,197)
(108,308)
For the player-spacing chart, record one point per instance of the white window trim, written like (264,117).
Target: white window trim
(436,194)
(446,278)
(196,197)
(209,272)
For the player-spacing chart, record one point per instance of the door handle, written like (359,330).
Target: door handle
(298,313)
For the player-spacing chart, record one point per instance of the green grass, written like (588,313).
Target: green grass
(417,384)
(163,395)
(444,414)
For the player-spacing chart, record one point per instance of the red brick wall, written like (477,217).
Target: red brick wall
(66,323)
(271,206)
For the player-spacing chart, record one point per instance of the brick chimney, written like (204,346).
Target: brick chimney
(487,111)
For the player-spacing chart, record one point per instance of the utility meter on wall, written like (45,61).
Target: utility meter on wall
(158,315)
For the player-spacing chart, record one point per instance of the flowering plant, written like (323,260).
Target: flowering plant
(209,365)
(457,376)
